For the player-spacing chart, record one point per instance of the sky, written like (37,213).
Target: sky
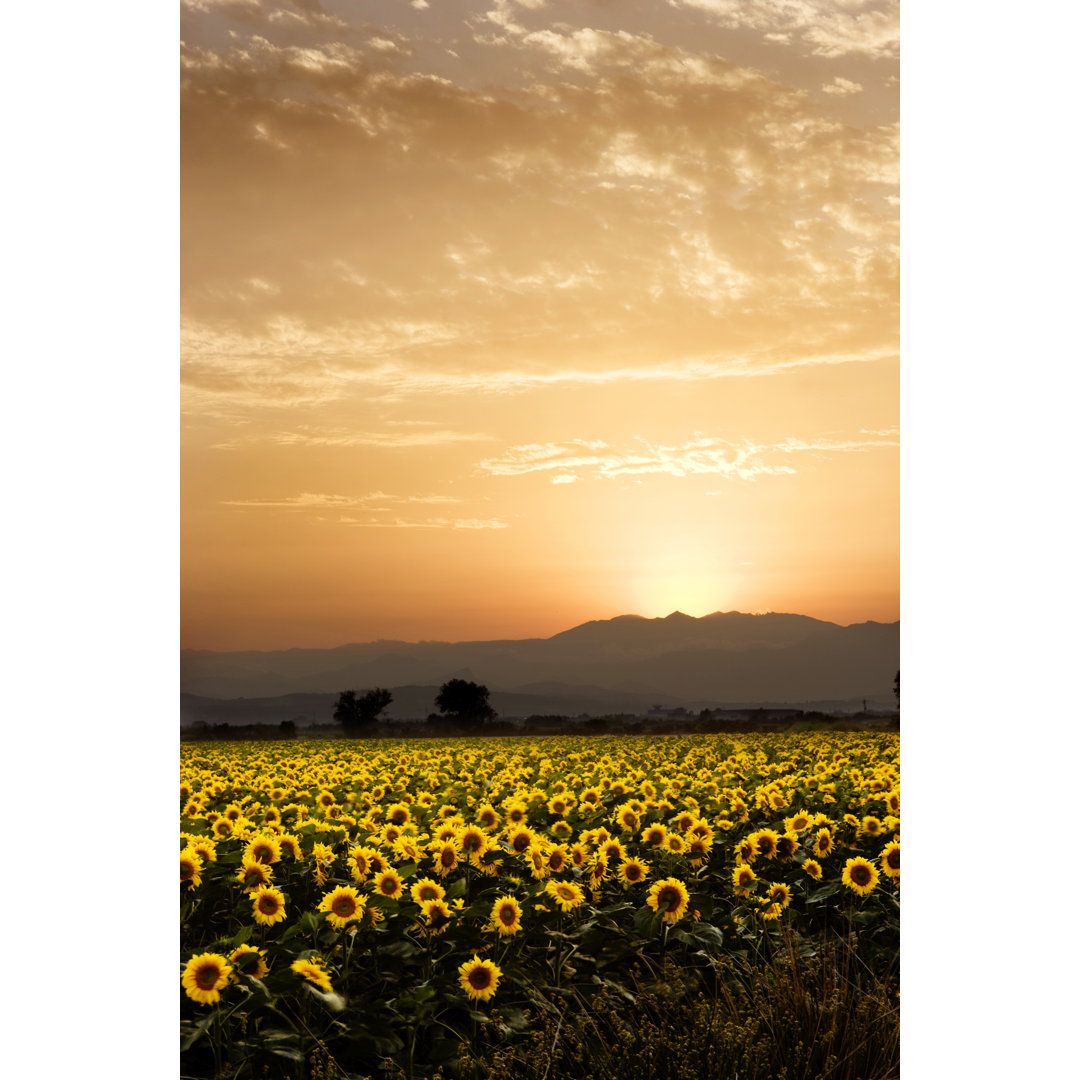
(500,316)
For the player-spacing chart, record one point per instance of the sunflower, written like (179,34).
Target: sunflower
(563,830)
(520,838)
(612,850)
(859,876)
(627,818)
(579,854)
(204,847)
(786,845)
(310,970)
(870,826)
(323,856)
(248,960)
(388,884)
(506,916)
(399,814)
(813,868)
(205,976)
(473,842)
(890,859)
(557,859)
(343,905)
(538,866)
(268,906)
(359,859)
(654,835)
(191,865)
(223,828)
(797,823)
(670,898)
(487,817)
(741,878)
(479,978)
(771,909)
(445,857)
(426,889)
(699,850)
(633,871)
(823,843)
(746,850)
(766,842)
(779,893)
(675,844)
(566,894)
(437,916)
(447,831)
(253,875)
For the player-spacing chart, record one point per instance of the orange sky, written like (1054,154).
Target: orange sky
(502,316)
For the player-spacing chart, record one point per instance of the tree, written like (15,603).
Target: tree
(355,712)
(464,702)
(896,688)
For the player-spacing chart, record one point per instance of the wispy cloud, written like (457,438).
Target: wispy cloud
(580,459)
(822,27)
(429,523)
(308,500)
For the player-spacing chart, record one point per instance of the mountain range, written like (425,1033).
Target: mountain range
(627,663)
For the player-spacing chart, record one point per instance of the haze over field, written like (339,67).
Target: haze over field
(500,316)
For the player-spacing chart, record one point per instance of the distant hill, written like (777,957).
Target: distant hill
(625,663)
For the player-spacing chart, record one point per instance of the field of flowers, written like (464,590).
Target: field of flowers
(375,908)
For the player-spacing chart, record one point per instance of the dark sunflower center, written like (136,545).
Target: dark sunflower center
(507,915)
(520,843)
(633,873)
(207,976)
(765,846)
(893,859)
(668,896)
(387,886)
(860,875)
(344,906)
(268,905)
(187,870)
(428,893)
(479,978)
(447,858)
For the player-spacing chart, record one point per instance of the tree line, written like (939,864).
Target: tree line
(460,704)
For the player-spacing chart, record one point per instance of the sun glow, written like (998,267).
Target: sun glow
(692,594)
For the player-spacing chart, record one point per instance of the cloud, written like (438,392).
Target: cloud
(429,523)
(827,28)
(320,501)
(842,87)
(699,456)
(286,387)
(355,226)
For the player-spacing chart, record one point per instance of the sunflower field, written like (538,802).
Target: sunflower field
(471,907)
